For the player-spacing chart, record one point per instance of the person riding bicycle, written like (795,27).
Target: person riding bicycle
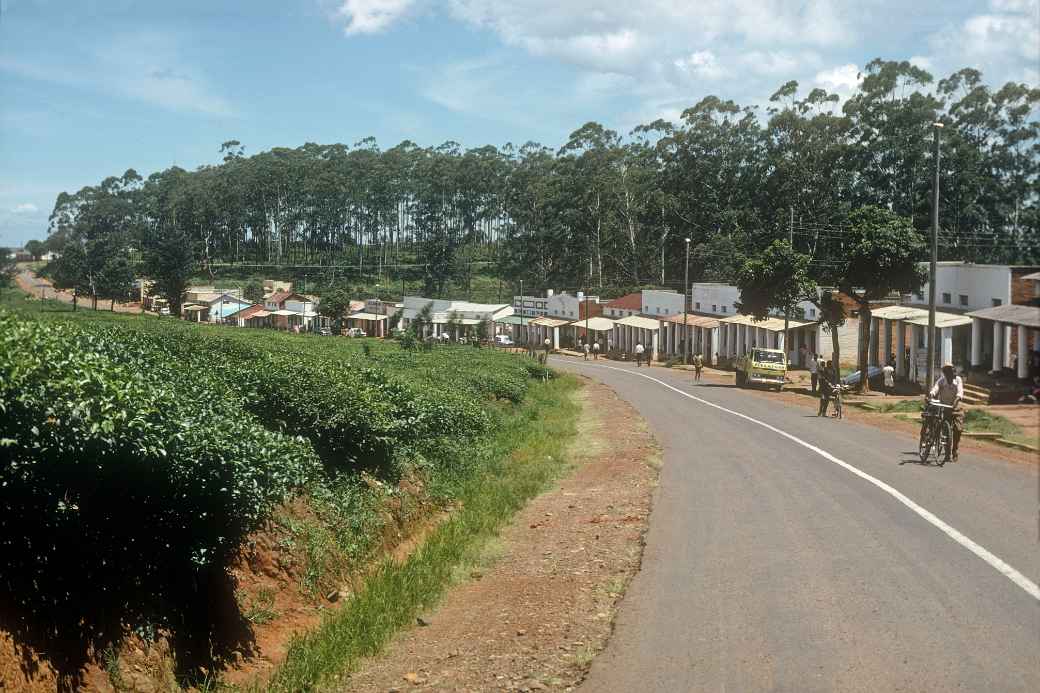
(949,390)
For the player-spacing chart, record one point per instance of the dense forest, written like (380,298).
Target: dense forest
(605,209)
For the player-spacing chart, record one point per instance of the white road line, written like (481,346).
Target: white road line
(995,562)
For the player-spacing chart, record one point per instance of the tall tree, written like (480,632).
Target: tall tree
(877,256)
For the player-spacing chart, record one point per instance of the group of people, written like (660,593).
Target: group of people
(592,349)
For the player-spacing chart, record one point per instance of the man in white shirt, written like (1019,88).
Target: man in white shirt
(639,354)
(814,367)
(949,390)
(889,373)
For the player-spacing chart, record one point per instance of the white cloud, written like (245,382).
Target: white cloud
(842,80)
(700,63)
(146,67)
(25,208)
(371,16)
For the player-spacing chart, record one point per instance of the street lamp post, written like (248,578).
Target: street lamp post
(930,339)
(686,307)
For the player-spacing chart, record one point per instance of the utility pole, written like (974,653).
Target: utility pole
(930,338)
(522,333)
(686,307)
(787,309)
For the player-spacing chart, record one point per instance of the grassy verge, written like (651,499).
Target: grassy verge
(526,454)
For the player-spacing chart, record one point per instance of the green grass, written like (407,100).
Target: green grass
(904,406)
(526,454)
(979,420)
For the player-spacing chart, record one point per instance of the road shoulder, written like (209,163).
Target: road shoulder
(540,604)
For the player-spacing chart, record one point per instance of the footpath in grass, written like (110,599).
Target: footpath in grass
(527,453)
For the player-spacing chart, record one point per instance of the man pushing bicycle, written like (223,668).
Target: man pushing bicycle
(949,390)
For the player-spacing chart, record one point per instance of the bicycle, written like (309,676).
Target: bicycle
(936,432)
(836,392)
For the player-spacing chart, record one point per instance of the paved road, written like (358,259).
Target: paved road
(771,566)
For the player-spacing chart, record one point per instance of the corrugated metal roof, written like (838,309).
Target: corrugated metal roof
(596,324)
(511,320)
(1035,276)
(627,302)
(545,321)
(1028,316)
(366,316)
(640,322)
(260,314)
(898,313)
(942,320)
(284,312)
(692,320)
(769,324)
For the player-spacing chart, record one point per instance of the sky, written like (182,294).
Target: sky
(90,88)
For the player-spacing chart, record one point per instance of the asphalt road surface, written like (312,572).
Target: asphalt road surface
(816,555)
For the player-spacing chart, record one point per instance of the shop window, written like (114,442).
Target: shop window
(947,298)
(964,299)
(997,302)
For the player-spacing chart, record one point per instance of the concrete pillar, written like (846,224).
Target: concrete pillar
(976,342)
(1006,350)
(653,337)
(886,339)
(714,343)
(947,345)
(998,345)
(872,343)
(780,343)
(900,349)
(1023,352)
(915,339)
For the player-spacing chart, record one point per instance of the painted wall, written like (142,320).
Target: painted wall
(962,287)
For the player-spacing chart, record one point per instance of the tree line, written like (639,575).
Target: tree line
(604,209)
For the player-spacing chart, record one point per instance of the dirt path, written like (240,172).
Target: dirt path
(541,604)
(42,288)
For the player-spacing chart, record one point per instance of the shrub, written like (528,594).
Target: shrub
(109,477)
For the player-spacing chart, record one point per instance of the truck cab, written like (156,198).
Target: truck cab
(762,367)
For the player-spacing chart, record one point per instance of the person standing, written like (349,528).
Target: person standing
(824,380)
(639,354)
(889,373)
(814,367)
(585,350)
(698,366)
(595,350)
(949,390)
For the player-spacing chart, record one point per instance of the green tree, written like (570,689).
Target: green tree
(877,256)
(775,280)
(8,268)
(170,264)
(253,291)
(335,305)
(116,279)
(35,248)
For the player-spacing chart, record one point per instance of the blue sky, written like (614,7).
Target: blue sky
(89,88)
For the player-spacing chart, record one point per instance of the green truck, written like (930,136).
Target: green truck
(762,367)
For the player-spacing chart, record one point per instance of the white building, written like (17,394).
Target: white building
(661,303)
(442,311)
(531,306)
(715,298)
(567,306)
(963,286)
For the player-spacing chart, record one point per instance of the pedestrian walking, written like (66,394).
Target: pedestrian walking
(639,354)
(814,376)
(595,350)
(949,390)
(698,366)
(585,350)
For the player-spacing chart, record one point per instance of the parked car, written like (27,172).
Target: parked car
(355,332)
(504,340)
(325,332)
